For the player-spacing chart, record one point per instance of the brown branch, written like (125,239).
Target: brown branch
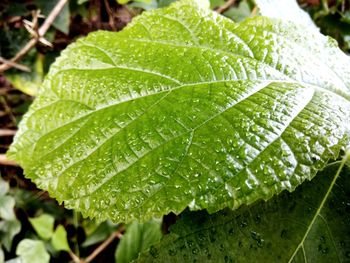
(14,64)
(5,161)
(74,257)
(7,132)
(110,15)
(225,6)
(117,234)
(41,32)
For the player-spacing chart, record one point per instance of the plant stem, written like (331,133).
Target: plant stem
(41,32)
(7,132)
(225,6)
(5,161)
(105,244)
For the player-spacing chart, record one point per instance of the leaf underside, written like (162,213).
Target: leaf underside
(185,108)
(295,227)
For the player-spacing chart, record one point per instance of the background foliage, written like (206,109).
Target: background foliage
(29,218)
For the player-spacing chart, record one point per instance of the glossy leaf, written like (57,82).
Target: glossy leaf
(308,225)
(185,108)
(31,251)
(139,237)
(43,225)
(59,239)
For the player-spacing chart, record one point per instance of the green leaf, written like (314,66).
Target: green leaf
(7,205)
(8,230)
(123,2)
(14,260)
(286,10)
(4,187)
(59,239)
(185,108)
(62,21)
(32,251)
(102,232)
(139,237)
(43,225)
(308,225)
(239,13)
(28,82)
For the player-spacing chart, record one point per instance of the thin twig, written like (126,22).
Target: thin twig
(7,132)
(41,32)
(224,7)
(105,244)
(74,257)
(5,161)
(110,15)
(8,110)
(14,64)
(254,11)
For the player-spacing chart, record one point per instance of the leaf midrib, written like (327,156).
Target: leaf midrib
(320,207)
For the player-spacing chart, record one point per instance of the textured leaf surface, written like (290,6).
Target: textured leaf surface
(185,108)
(139,237)
(308,225)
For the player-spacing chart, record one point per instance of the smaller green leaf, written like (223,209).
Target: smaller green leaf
(31,251)
(14,260)
(123,2)
(59,239)
(62,20)
(138,238)
(4,187)
(153,4)
(28,82)
(216,3)
(80,2)
(104,230)
(239,13)
(7,204)
(8,230)
(43,225)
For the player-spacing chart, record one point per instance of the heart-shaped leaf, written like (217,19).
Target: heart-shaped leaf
(185,108)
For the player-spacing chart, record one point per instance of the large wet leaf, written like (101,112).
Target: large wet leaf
(308,225)
(185,108)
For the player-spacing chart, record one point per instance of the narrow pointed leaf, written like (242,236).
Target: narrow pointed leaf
(308,225)
(185,108)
